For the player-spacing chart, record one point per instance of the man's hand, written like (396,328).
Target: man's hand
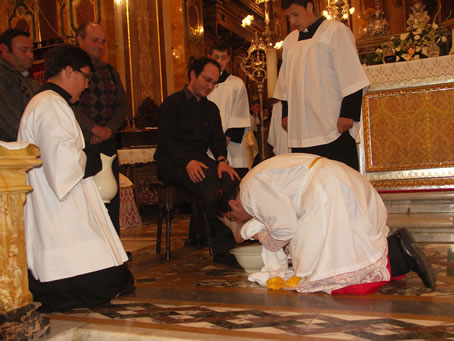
(223,167)
(227,140)
(95,140)
(102,133)
(284,123)
(343,124)
(195,170)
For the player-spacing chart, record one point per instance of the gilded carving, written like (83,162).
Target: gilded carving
(23,16)
(413,183)
(73,13)
(13,281)
(14,291)
(193,21)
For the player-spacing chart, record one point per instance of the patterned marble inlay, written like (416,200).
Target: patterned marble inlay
(206,301)
(282,322)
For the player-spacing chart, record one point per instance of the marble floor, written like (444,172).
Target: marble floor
(191,298)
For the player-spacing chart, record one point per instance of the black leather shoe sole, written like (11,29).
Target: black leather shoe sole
(415,258)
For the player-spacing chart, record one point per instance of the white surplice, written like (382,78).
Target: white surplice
(232,100)
(277,136)
(67,228)
(333,218)
(315,75)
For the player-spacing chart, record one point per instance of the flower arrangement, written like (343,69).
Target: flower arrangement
(423,39)
(411,45)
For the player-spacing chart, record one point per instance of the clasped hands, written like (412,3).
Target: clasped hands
(100,134)
(195,170)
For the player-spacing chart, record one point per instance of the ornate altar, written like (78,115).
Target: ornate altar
(19,319)
(408,125)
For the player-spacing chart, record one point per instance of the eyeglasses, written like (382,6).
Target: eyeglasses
(86,75)
(209,80)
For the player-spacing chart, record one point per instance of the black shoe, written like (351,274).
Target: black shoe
(130,257)
(415,258)
(226,259)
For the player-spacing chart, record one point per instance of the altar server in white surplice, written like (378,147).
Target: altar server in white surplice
(327,218)
(75,257)
(277,136)
(231,97)
(323,83)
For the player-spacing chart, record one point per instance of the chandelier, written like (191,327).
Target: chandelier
(338,10)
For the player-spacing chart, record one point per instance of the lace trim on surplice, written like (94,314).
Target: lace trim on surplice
(376,272)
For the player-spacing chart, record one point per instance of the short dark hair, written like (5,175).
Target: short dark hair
(7,36)
(64,55)
(219,45)
(287,3)
(225,193)
(198,64)
(81,31)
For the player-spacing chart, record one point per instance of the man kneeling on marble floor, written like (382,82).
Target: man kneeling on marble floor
(326,219)
(74,256)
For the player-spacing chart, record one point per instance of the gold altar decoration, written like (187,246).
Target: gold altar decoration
(338,10)
(409,137)
(18,314)
(13,189)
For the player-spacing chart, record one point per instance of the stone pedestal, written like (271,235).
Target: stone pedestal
(19,319)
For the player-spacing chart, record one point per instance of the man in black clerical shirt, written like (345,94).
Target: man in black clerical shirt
(189,125)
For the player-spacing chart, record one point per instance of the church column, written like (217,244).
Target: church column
(19,319)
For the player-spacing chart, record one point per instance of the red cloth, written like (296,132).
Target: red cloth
(365,288)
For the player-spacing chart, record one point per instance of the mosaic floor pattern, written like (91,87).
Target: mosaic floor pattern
(192,294)
(278,322)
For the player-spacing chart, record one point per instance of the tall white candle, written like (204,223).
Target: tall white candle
(271,70)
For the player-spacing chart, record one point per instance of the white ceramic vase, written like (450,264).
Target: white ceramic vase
(105,180)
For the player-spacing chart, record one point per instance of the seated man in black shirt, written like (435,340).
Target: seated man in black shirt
(188,125)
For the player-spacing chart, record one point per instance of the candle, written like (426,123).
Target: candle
(271,70)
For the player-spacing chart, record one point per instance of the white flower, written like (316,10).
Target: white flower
(416,56)
(397,49)
(434,26)
(397,58)
(418,48)
(444,39)
(424,51)
(378,50)
(418,31)
(404,36)
(405,56)
(417,37)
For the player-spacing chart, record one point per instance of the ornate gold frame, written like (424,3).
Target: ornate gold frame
(408,137)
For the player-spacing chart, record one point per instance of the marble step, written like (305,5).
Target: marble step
(423,202)
(425,227)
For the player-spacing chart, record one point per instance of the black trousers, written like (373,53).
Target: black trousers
(83,291)
(109,147)
(343,149)
(221,237)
